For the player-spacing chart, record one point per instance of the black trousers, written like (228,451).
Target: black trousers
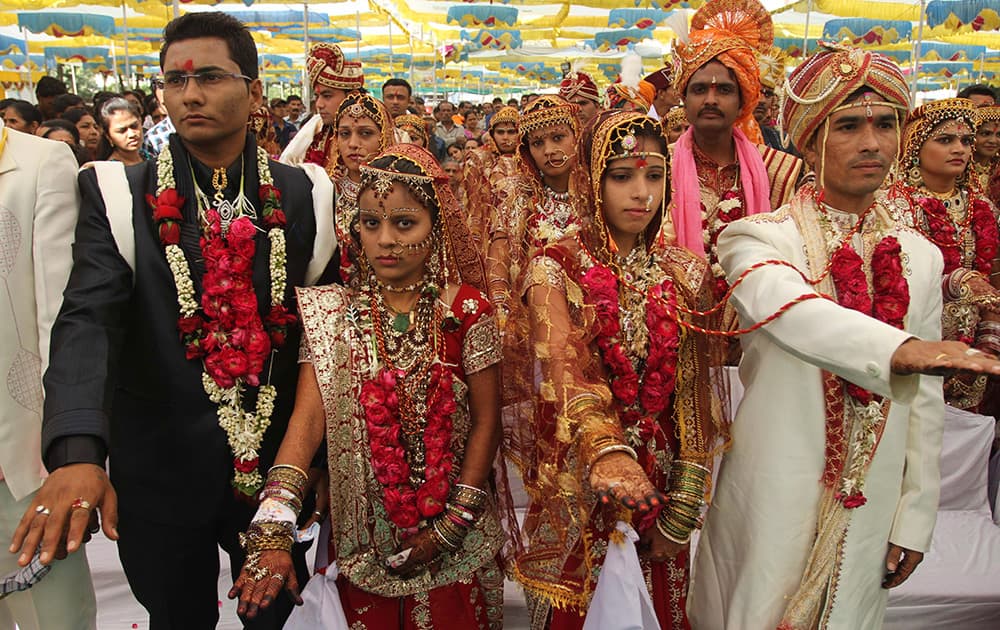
(173,569)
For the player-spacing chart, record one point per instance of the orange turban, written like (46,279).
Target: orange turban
(734,33)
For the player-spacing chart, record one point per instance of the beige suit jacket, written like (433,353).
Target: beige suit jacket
(39,203)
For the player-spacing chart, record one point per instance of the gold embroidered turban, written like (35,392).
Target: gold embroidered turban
(826,79)
(328,67)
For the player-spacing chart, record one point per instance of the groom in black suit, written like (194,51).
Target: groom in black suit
(122,383)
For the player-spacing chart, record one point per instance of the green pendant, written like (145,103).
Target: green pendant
(401,322)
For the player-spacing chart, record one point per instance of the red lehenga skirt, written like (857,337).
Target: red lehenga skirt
(472,604)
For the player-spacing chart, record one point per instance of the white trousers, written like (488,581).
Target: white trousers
(63,600)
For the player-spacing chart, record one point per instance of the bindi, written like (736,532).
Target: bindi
(188,65)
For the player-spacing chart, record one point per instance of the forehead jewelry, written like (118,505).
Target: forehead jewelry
(356,111)
(955,128)
(382,187)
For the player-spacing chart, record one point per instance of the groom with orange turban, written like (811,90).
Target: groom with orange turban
(722,171)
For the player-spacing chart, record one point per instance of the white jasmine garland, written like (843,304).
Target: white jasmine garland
(244,429)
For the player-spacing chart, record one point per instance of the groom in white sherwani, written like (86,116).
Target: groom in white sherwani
(829,494)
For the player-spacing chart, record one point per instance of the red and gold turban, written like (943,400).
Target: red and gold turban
(328,67)
(825,80)
(734,33)
(579,84)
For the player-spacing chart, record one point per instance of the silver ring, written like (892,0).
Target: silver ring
(278,576)
(41,509)
(971,352)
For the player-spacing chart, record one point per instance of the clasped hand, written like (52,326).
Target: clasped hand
(260,581)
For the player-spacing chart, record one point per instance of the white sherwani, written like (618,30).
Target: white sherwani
(760,529)
(39,203)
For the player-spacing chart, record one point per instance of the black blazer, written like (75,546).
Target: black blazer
(118,380)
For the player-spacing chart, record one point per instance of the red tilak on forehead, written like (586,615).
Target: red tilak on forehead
(188,66)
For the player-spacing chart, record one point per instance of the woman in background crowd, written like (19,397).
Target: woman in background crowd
(121,122)
(88,129)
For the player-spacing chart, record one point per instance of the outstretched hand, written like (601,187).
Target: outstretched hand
(63,513)
(260,582)
(617,477)
(941,358)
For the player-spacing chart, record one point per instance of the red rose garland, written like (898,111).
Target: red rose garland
(643,402)
(224,328)
(887,302)
(945,234)
(407,506)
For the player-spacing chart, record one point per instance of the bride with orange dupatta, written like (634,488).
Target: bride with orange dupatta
(401,376)
(625,422)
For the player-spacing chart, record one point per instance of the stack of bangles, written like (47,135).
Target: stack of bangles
(682,514)
(273,526)
(988,336)
(601,433)
(461,512)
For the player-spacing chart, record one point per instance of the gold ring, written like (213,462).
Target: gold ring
(943,355)
(278,576)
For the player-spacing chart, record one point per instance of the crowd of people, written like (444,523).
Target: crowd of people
(352,323)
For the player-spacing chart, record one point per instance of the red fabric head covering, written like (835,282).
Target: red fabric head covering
(328,67)
(579,84)
(734,33)
(462,261)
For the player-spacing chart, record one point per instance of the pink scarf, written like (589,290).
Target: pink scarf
(685,208)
